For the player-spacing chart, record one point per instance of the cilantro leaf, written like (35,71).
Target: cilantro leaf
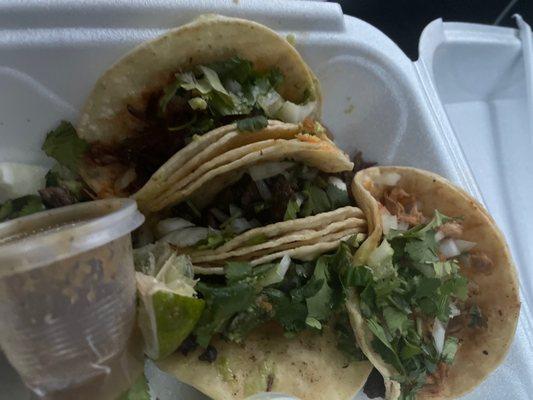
(21,207)
(237,271)
(383,345)
(222,303)
(290,313)
(245,322)
(396,320)
(64,145)
(337,197)
(423,250)
(292,210)
(252,124)
(320,304)
(316,202)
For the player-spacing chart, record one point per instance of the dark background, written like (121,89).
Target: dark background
(404,20)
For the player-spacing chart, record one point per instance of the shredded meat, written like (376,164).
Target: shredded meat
(282,191)
(481,262)
(403,205)
(452,229)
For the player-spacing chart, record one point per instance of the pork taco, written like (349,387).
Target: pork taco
(216,74)
(423,301)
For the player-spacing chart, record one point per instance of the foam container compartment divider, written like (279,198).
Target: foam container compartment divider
(460,110)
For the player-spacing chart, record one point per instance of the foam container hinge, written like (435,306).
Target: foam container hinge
(460,110)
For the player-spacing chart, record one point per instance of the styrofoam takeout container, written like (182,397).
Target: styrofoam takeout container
(461,110)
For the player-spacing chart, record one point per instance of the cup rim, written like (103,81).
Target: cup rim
(81,227)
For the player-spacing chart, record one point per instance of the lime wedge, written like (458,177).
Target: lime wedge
(168,307)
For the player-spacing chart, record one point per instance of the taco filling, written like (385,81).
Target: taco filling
(191,104)
(267,193)
(200,316)
(412,294)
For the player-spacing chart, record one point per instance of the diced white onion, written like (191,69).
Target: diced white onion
(168,225)
(338,183)
(448,248)
(389,178)
(263,190)
(439,236)
(464,245)
(271,103)
(268,169)
(389,221)
(240,225)
(294,113)
(186,237)
(439,334)
(454,311)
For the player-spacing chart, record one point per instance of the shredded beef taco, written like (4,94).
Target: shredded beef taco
(434,299)
(216,74)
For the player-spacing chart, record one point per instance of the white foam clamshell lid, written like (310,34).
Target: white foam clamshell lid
(460,110)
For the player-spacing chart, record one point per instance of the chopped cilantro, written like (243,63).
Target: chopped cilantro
(337,197)
(21,207)
(316,201)
(404,287)
(64,145)
(293,207)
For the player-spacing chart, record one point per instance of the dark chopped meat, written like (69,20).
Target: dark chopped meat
(360,163)
(188,345)
(249,195)
(53,197)
(209,355)
(212,221)
(282,191)
(374,386)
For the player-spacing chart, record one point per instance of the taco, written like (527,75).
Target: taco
(277,326)
(239,203)
(434,295)
(216,74)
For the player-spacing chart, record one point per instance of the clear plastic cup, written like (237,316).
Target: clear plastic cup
(67,299)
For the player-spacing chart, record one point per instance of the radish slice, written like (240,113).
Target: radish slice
(268,169)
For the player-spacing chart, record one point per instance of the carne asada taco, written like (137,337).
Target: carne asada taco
(434,300)
(252,206)
(277,326)
(166,94)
